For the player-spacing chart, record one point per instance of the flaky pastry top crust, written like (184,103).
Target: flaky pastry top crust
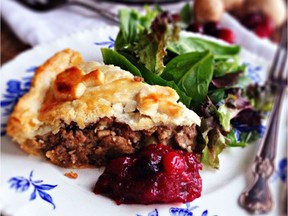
(65,89)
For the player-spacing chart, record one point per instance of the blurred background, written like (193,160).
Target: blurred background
(250,23)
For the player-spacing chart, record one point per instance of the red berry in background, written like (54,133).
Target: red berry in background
(196,27)
(211,28)
(173,163)
(226,35)
(251,21)
(260,24)
(265,28)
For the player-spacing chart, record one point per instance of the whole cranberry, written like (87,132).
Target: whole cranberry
(196,27)
(265,28)
(147,166)
(173,163)
(211,28)
(226,35)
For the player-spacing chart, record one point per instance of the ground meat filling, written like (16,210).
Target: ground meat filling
(107,139)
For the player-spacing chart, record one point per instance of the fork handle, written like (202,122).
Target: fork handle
(257,198)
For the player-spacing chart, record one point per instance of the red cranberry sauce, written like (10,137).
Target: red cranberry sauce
(158,174)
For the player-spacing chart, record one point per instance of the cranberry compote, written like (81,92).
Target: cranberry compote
(158,174)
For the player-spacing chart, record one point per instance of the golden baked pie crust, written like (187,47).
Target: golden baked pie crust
(63,91)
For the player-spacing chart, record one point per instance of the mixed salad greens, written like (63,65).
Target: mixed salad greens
(207,76)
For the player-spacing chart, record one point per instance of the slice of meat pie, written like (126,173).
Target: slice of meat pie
(79,114)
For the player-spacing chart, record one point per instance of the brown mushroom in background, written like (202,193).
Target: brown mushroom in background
(208,10)
(232,4)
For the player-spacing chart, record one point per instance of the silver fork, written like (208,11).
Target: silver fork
(46,5)
(257,197)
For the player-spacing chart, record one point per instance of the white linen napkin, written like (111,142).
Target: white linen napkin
(35,28)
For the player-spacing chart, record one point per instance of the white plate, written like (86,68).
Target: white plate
(59,195)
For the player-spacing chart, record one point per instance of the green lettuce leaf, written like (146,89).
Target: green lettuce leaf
(216,95)
(112,57)
(151,46)
(186,15)
(146,36)
(192,44)
(216,142)
(224,66)
(233,142)
(244,138)
(133,23)
(225,115)
(192,72)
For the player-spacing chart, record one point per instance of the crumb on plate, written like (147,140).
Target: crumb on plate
(71,175)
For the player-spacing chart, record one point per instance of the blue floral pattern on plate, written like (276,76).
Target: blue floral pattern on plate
(281,170)
(152,213)
(176,211)
(22,184)
(110,42)
(14,90)
(253,72)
